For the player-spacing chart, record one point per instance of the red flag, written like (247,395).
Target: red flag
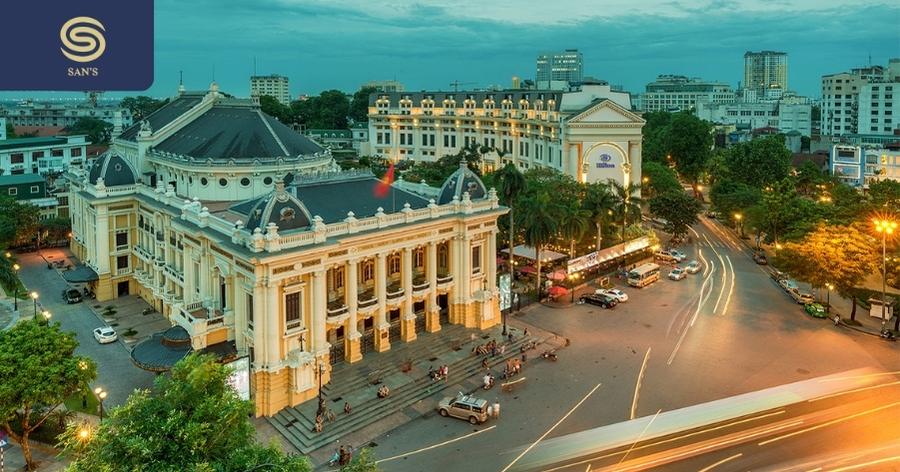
(383,187)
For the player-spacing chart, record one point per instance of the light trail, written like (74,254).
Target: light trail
(724,275)
(643,432)
(730,289)
(863,376)
(551,428)
(866,464)
(435,445)
(637,386)
(861,389)
(716,464)
(829,423)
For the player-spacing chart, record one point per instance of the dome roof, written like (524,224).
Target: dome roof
(279,207)
(460,182)
(113,169)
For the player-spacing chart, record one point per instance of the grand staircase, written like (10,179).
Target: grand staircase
(354,383)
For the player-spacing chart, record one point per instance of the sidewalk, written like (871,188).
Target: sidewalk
(46,457)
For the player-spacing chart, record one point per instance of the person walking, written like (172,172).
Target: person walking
(347,408)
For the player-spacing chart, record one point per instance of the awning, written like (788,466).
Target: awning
(80,274)
(528,253)
(161,351)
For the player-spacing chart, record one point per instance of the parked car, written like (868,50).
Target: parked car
(613,293)
(465,407)
(777,275)
(760,258)
(679,256)
(677,273)
(788,285)
(801,297)
(712,215)
(71,295)
(693,267)
(602,301)
(105,335)
(665,256)
(815,310)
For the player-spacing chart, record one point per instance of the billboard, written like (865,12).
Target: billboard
(505,292)
(240,377)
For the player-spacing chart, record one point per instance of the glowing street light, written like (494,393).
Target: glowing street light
(739,218)
(34,297)
(16,268)
(885,227)
(830,287)
(101,395)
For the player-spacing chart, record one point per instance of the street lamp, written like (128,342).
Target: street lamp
(885,227)
(830,287)
(46,314)
(101,395)
(16,268)
(321,409)
(34,297)
(740,221)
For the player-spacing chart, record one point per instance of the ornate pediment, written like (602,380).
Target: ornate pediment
(605,111)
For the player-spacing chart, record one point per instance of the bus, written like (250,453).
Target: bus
(643,275)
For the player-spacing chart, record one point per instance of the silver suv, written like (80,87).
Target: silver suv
(465,407)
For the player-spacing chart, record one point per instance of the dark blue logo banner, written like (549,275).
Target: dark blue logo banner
(77,45)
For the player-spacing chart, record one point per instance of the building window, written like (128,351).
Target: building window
(17,158)
(394,264)
(337,278)
(56,153)
(250,312)
(223,183)
(35,189)
(204,181)
(37,154)
(292,311)
(419,260)
(122,262)
(368,272)
(12,191)
(245,182)
(476,259)
(121,240)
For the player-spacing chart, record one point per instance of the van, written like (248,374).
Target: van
(665,256)
(465,407)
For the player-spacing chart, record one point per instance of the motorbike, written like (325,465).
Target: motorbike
(489,384)
(887,335)
(549,355)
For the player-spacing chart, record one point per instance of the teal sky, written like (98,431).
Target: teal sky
(427,44)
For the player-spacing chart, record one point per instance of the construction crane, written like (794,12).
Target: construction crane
(455,84)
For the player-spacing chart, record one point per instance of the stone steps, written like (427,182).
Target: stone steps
(297,423)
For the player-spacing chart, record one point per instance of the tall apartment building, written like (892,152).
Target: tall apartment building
(562,67)
(61,115)
(787,114)
(765,70)
(385,85)
(677,92)
(589,133)
(861,101)
(272,85)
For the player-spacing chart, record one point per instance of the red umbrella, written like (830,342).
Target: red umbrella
(528,270)
(557,291)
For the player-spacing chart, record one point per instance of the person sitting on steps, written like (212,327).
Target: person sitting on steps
(383,391)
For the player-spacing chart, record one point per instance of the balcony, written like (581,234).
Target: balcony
(174,273)
(444,279)
(395,291)
(420,284)
(367,300)
(336,308)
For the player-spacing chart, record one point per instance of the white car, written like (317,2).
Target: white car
(105,335)
(693,267)
(619,295)
(677,273)
(679,256)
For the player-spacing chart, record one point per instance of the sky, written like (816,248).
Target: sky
(427,44)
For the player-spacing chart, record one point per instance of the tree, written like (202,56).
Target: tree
(327,111)
(628,203)
(808,176)
(679,210)
(38,371)
(363,462)
(272,107)
(885,195)
(56,229)
(729,197)
(359,105)
(690,143)
(192,420)
(840,255)
(10,130)
(511,183)
(660,178)
(573,223)
(600,203)
(539,216)
(656,128)
(97,131)
(18,221)
(760,162)
(142,106)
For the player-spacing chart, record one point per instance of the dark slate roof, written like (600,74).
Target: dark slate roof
(237,129)
(332,200)
(165,114)
(460,182)
(24,143)
(114,169)
(279,207)
(479,97)
(80,274)
(161,351)
(20,179)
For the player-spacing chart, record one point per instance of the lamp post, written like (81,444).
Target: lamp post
(46,314)
(885,227)
(101,395)
(16,268)
(34,297)
(321,409)
(830,287)
(739,219)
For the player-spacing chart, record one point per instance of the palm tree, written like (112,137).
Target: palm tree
(511,183)
(573,223)
(600,203)
(627,201)
(540,222)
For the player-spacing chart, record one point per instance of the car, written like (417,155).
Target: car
(693,267)
(679,256)
(71,295)
(677,273)
(777,275)
(665,256)
(815,310)
(465,407)
(613,293)
(105,335)
(788,285)
(802,298)
(602,301)
(712,215)
(760,258)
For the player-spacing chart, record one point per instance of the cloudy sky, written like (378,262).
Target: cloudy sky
(426,44)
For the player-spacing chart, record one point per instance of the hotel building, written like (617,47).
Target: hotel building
(275,86)
(247,238)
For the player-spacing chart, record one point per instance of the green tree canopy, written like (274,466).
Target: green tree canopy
(18,222)
(679,209)
(661,178)
(359,105)
(192,420)
(730,197)
(97,131)
(655,131)
(760,162)
(808,177)
(327,111)
(690,143)
(884,195)
(142,105)
(38,371)
(271,106)
(10,130)
(539,220)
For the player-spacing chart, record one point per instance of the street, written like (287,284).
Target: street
(725,331)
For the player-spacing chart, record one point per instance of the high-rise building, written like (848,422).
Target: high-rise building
(765,70)
(565,67)
(385,85)
(861,101)
(274,85)
(677,92)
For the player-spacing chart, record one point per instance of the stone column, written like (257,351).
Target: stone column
(352,351)
(433,320)
(574,169)
(319,299)
(382,338)
(408,317)
(204,275)
(273,323)
(490,260)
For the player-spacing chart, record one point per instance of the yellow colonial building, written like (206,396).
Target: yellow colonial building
(244,234)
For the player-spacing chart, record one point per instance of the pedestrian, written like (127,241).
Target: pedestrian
(503,349)
(525,333)
(342,461)
(347,408)
(510,337)
(484,363)
(524,357)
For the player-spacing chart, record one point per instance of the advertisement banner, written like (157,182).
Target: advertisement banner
(240,377)
(505,292)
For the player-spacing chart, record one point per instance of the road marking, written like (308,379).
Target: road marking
(637,386)
(713,466)
(861,389)
(551,428)
(730,289)
(865,464)
(829,423)
(700,302)
(676,438)
(435,445)
(644,431)
(863,376)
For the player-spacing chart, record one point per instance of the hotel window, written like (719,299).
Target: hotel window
(394,264)
(12,191)
(419,260)
(368,272)
(35,189)
(337,278)
(249,312)
(476,259)
(292,311)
